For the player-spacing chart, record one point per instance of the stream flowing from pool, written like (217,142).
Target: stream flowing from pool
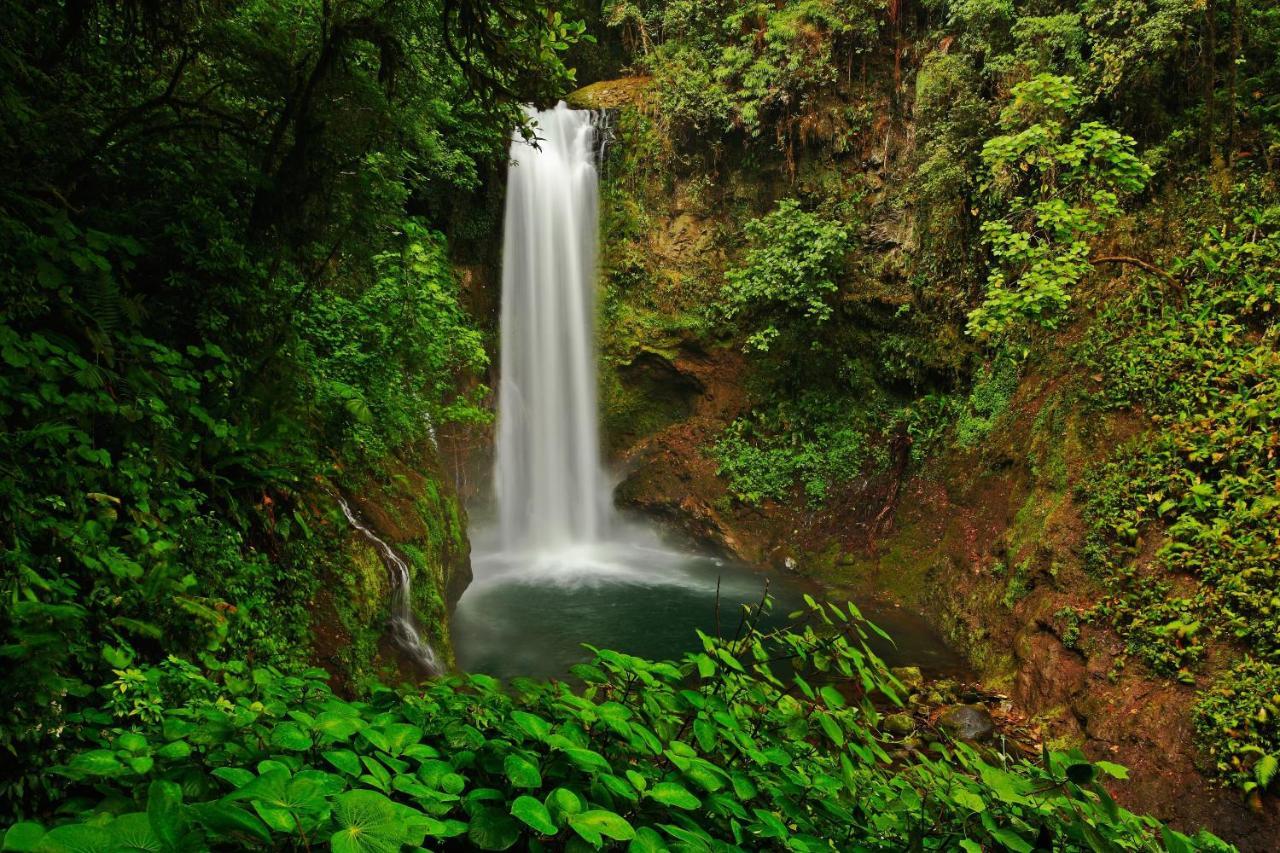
(559,568)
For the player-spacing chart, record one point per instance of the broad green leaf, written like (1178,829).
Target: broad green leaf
(400,736)
(491,829)
(225,819)
(673,794)
(336,726)
(830,727)
(78,838)
(521,772)
(1011,840)
(367,822)
(593,824)
(132,832)
(588,760)
(131,741)
(174,751)
(237,776)
(164,811)
(95,762)
(532,724)
(291,737)
(140,764)
(562,804)
(534,814)
(831,697)
(1115,771)
(969,800)
(23,837)
(647,840)
(345,760)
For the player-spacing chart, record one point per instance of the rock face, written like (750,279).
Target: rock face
(970,723)
(1049,674)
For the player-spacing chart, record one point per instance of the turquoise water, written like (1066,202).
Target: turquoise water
(529,614)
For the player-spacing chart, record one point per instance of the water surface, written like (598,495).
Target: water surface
(529,613)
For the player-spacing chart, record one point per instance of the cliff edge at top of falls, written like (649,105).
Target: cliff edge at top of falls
(985,537)
(610,94)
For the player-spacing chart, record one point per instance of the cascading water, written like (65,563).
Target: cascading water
(559,570)
(551,488)
(403,629)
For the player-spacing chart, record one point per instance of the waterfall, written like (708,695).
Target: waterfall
(551,488)
(404,631)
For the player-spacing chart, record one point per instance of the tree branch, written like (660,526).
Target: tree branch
(1137,262)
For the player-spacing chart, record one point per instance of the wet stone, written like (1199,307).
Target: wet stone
(910,676)
(899,724)
(971,723)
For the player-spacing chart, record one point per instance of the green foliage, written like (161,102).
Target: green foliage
(387,358)
(763,740)
(1203,361)
(1052,184)
(222,272)
(786,281)
(1238,724)
(988,400)
(750,67)
(815,441)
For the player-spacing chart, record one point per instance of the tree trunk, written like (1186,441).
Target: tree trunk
(1210,63)
(1237,47)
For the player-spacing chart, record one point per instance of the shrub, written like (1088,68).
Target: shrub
(815,442)
(1238,726)
(1051,184)
(787,280)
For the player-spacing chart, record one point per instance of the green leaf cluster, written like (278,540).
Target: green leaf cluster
(1051,185)
(762,740)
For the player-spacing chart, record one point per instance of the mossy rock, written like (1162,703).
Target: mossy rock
(610,94)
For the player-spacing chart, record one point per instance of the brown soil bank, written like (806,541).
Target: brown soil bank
(986,543)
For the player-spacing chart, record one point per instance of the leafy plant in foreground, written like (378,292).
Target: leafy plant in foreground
(758,741)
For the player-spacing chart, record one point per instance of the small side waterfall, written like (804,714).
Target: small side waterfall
(551,488)
(404,631)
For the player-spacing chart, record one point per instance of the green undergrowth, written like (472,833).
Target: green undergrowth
(1183,518)
(1238,719)
(815,441)
(765,740)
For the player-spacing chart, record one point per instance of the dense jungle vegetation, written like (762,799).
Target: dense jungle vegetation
(1031,145)
(231,233)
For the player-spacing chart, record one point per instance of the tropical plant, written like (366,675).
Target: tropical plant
(758,740)
(1051,184)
